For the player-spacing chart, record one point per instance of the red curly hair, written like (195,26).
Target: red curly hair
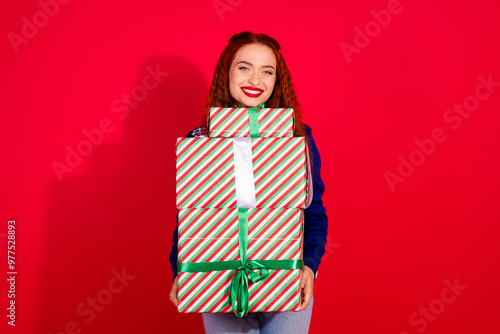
(284,94)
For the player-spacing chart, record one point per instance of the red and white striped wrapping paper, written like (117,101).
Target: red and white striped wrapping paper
(205,176)
(211,235)
(234,122)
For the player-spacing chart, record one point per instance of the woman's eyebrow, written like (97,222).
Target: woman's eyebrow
(250,64)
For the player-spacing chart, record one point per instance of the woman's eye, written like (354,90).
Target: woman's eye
(269,72)
(242,67)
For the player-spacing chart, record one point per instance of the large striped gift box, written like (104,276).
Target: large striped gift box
(250,122)
(241,172)
(224,238)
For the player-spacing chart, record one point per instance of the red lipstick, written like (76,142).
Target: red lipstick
(252,91)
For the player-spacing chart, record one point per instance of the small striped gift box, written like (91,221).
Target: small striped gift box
(250,122)
(241,172)
(219,238)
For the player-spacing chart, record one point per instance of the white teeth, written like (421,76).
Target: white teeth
(251,91)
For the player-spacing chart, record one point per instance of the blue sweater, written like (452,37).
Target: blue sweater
(315,218)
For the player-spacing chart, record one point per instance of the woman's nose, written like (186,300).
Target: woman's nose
(254,79)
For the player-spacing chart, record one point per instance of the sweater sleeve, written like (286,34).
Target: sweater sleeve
(173,252)
(315,218)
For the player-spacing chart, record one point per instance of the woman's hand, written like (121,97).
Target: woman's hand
(173,292)
(306,285)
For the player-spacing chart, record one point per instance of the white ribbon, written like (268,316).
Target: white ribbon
(243,172)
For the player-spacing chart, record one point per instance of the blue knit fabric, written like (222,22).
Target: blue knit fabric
(315,218)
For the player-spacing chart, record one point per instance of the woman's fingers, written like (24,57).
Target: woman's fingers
(173,292)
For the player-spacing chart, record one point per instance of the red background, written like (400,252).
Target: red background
(389,249)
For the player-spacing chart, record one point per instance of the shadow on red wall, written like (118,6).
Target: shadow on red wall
(109,231)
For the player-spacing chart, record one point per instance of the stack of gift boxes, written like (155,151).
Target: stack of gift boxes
(241,194)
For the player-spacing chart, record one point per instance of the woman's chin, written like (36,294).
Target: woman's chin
(252,102)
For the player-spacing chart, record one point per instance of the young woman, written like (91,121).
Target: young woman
(252,71)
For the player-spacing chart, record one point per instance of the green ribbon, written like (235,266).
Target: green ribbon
(244,269)
(238,296)
(253,120)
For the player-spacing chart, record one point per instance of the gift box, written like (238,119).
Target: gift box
(239,260)
(250,122)
(242,173)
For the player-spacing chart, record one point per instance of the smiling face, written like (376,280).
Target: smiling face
(252,75)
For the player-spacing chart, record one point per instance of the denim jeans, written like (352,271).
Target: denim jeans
(259,322)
